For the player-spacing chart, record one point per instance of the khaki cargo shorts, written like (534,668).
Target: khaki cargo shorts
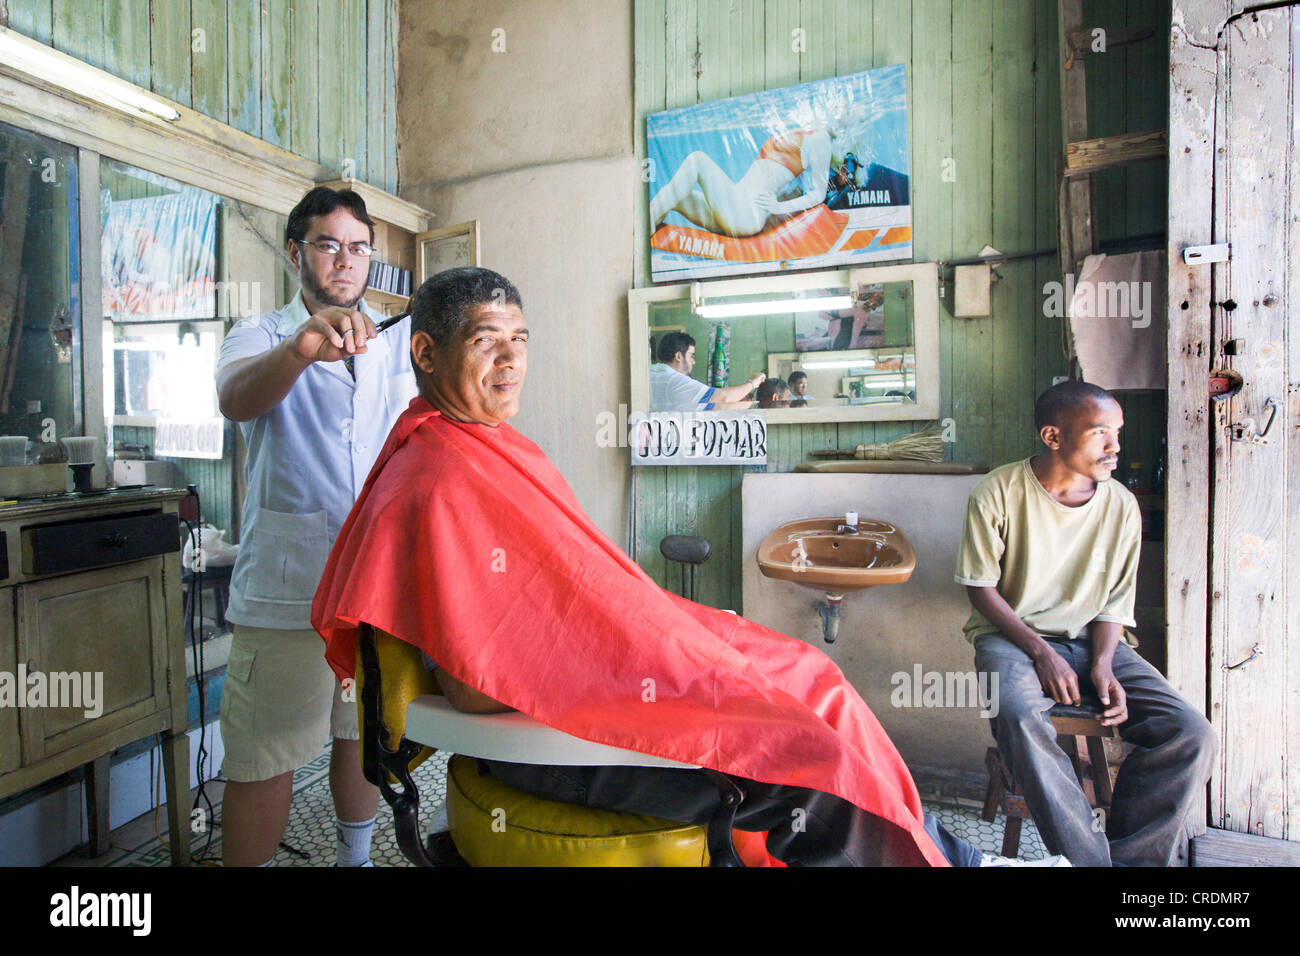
(280,704)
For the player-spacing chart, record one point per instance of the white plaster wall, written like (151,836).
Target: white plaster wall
(883,630)
(536,144)
(491,85)
(563,234)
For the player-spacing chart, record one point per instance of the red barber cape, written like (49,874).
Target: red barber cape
(468,543)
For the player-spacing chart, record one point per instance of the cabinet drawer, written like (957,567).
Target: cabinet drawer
(89,544)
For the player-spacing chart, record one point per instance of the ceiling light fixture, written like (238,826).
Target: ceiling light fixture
(49,67)
(840,363)
(728,310)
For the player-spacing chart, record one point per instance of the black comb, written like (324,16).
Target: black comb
(389,323)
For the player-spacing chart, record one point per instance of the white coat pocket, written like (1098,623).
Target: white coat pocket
(287,556)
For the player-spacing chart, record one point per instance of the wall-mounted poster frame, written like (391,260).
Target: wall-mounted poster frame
(809,176)
(450,247)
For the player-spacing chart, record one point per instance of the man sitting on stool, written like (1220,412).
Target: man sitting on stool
(1049,557)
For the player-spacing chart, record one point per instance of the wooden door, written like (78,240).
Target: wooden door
(1254,605)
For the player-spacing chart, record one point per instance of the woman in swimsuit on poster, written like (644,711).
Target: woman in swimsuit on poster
(706,196)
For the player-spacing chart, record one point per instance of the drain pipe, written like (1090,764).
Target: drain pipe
(830,615)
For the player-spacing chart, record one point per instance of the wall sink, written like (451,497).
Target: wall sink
(818,553)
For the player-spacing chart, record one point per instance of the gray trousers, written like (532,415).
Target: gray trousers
(1174,754)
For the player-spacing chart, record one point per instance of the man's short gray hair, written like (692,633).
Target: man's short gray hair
(441,305)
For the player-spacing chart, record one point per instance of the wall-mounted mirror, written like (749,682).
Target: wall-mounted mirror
(848,345)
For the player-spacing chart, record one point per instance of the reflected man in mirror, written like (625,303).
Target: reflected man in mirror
(773,393)
(673,390)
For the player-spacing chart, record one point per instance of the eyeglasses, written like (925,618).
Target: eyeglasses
(331,247)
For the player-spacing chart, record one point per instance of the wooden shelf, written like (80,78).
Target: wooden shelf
(382,205)
(386,302)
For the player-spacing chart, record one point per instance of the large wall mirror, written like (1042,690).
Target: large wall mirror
(850,345)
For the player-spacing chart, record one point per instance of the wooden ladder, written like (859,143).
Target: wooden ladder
(1083,157)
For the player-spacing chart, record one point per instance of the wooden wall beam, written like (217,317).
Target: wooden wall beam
(1090,155)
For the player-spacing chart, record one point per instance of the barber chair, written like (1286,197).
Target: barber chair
(1079,732)
(404,717)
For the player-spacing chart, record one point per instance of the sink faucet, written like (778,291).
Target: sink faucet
(850,525)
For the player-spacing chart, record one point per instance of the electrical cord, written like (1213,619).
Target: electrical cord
(195,628)
(196,648)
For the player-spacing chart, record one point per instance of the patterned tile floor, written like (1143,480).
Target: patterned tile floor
(311,826)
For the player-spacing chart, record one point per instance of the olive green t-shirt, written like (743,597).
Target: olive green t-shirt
(1059,568)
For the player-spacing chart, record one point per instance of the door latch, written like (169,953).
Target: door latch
(1255,652)
(1245,431)
(1204,255)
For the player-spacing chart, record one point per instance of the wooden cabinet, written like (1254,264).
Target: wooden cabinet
(91,638)
(10,754)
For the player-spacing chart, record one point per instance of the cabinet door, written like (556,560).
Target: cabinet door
(10,748)
(99,639)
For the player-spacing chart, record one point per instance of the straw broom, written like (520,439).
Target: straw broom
(925,445)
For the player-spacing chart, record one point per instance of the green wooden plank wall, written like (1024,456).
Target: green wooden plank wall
(984,93)
(316,77)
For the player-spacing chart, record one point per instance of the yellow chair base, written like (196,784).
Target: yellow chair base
(496,825)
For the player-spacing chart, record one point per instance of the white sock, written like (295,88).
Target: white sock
(270,862)
(352,847)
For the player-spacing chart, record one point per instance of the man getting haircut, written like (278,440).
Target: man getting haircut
(468,543)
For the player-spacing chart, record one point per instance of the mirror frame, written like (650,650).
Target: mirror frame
(924,277)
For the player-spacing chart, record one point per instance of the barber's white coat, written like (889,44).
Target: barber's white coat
(307,460)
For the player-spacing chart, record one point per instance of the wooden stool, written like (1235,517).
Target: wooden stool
(1080,734)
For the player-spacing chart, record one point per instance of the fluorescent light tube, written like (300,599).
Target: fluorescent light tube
(52,68)
(840,363)
(727,310)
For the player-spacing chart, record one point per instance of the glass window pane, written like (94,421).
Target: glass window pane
(40,307)
(180,265)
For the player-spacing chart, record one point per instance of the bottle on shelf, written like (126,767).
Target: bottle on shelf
(1134,481)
